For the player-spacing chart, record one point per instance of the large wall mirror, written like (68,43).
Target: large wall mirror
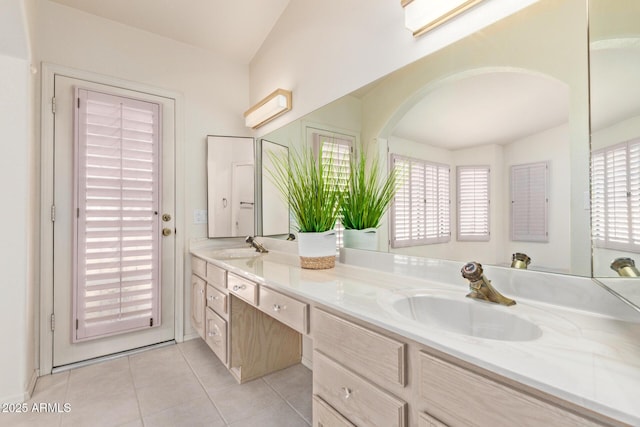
(614,41)
(512,98)
(230,186)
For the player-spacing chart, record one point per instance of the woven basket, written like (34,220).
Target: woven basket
(318,263)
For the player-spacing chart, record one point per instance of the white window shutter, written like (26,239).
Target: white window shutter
(615,194)
(420,212)
(529,202)
(338,149)
(117,227)
(473,203)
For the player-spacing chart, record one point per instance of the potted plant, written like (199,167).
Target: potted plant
(314,201)
(366,198)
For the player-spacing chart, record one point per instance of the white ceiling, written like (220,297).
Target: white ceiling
(495,107)
(232,28)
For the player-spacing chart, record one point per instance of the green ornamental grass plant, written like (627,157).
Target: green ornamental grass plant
(367,194)
(305,184)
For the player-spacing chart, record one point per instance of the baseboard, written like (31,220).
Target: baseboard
(190,337)
(32,384)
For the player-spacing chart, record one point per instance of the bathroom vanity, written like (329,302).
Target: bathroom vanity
(376,361)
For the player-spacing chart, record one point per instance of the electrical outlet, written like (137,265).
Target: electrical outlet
(199,216)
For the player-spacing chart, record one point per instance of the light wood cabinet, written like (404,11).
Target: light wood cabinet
(368,353)
(243,288)
(217,300)
(325,416)
(426,420)
(198,304)
(287,310)
(357,399)
(216,334)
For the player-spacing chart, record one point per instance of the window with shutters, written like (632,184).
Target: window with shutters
(116,229)
(337,148)
(529,202)
(420,212)
(473,203)
(615,197)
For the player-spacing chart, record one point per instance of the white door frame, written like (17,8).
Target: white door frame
(46,199)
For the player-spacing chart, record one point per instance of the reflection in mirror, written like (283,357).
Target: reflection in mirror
(615,124)
(230,186)
(495,106)
(275,211)
(614,41)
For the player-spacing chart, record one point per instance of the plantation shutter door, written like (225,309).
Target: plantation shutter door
(598,198)
(529,202)
(473,203)
(117,229)
(337,149)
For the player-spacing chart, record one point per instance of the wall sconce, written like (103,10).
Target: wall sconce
(274,105)
(421,16)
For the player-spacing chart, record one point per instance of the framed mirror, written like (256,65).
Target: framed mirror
(614,43)
(230,186)
(513,95)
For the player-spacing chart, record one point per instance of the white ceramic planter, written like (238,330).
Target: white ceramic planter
(366,239)
(317,250)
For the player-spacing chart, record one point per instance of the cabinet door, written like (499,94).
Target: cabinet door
(197,304)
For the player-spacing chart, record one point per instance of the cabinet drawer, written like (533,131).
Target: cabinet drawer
(362,350)
(287,310)
(426,420)
(216,334)
(245,289)
(217,300)
(199,267)
(446,389)
(325,416)
(216,275)
(358,400)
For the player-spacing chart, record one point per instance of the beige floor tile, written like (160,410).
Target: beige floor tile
(156,367)
(106,411)
(168,393)
(295,385)
(195,413)
(280,415)
(195,351)
(29,419)
(98,381)
(244,400)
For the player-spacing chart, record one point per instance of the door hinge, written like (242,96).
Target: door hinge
(53,213)
(53,322)
(53,105)
(151,322)
(77,324)
(78,102)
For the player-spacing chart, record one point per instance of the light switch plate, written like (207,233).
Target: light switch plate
(199,216)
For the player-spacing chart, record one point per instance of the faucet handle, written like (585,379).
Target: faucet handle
(472,271)
(249,240)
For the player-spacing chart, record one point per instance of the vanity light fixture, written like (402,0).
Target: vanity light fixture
(274,105)
(421,16)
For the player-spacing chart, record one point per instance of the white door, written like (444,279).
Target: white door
(113,196)
(242,196)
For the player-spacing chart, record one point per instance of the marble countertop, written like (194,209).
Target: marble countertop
(586,357)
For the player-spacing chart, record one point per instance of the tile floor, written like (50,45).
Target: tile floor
(178,385)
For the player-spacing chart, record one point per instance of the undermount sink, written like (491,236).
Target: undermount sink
(235,253)
(466,316)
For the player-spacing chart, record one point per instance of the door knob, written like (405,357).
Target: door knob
(166,231)
(166,217)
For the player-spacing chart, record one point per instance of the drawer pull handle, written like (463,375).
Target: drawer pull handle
(277,307)
(212,334)
(347,392)
(212,298)
(239,287)
(202,291)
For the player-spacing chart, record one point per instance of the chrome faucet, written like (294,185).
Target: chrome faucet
(480,286)
(259,248)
